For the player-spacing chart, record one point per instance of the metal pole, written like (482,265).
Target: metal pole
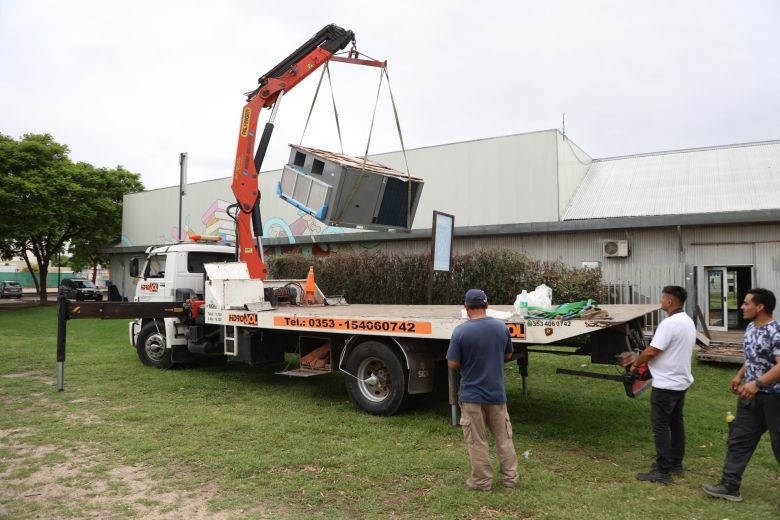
(182,187)
(432,272)
(62,320)
(522,365)
(453,382)
(59,269)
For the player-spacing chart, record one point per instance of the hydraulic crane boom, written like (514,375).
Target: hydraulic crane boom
(272,85)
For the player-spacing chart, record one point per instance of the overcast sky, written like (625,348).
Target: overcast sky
(136,82)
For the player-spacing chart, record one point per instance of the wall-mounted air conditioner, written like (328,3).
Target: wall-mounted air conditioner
(615,248)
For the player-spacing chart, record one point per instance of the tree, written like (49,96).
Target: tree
(48,201)
(106,225)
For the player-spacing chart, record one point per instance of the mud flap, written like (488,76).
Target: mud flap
(420,363)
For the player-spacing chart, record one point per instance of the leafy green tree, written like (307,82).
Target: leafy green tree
(105,223)
(49,201)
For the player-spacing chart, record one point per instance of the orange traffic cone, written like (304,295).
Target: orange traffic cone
(310,286)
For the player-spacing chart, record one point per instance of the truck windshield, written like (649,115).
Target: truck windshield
(155,267)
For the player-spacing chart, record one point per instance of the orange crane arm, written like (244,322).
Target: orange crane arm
(272,85)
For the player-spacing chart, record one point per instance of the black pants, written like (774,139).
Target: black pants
(666,420)
(754,417)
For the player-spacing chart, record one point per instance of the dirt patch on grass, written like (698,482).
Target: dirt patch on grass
(34,375)
(48,482)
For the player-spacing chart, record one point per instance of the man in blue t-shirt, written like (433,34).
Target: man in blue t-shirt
(479,347)
(758,409)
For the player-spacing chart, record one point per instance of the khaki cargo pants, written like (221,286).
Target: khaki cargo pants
(476,418)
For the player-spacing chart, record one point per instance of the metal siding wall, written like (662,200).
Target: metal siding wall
(726,254)
(120,274)
(736,233)
(407,247)
(491,181)
(485,182)
(149,215)
(571,170)
(767,270)
(649,249)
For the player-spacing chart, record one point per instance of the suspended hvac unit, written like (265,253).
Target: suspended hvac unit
(341,190)
(615,248)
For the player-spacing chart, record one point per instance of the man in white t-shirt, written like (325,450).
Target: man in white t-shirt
(669,359)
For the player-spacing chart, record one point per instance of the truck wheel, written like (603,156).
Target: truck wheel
(380,387)
(151,346)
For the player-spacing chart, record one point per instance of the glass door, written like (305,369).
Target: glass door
(717,304)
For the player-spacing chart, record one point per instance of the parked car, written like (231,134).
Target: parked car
(10,289)
(79,289)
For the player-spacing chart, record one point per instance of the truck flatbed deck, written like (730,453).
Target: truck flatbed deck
(421,321)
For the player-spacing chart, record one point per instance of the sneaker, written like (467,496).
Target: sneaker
(676,470)
(722,490)
(475,488)
(655,476)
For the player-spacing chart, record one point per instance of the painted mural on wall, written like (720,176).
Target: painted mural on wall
(306,225)
(215,221)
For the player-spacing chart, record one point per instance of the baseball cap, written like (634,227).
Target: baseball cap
(475,297)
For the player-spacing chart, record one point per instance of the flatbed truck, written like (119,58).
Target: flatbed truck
(387,352)
(198,300)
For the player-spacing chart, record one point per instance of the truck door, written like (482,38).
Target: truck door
(153,284)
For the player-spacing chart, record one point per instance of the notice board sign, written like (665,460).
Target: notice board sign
(441,243)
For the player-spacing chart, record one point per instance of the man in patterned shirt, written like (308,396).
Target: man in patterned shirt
(758,409)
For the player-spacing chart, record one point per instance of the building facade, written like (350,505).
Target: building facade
(708,218)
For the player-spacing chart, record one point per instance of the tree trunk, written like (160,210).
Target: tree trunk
(23,254)
(94,271)
(44,272)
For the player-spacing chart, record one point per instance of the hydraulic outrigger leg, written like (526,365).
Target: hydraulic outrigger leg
(70,310)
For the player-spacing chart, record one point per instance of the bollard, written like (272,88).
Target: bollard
(453,382)
(62,320)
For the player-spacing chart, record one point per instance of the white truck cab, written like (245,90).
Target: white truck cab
(171,273)
(178,268)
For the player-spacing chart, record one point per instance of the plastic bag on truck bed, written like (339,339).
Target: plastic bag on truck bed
(565,311)
(541,297)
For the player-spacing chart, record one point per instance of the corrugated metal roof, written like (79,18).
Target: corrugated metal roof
(704,180)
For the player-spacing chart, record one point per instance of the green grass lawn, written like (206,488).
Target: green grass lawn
(125,441)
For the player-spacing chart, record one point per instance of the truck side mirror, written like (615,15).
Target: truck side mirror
(134,267)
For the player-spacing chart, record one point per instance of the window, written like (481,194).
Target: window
(155,267)
(300,159)
(317,167)
(195,260)
(83,284)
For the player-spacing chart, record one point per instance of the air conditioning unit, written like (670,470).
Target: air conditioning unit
(346,191)
(615,248)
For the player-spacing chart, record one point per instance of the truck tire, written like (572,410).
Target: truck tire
(152,346)
(380,387)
